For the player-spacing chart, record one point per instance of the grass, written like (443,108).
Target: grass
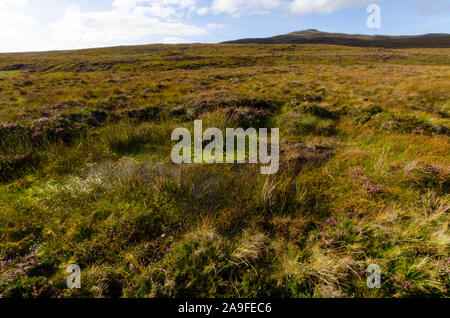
(86,176)
(9,73)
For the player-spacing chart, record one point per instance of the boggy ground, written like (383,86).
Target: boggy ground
(86,176)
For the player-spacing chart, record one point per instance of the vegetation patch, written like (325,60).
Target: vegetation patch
(86,175)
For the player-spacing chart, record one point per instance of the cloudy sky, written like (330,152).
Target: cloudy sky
(31,25)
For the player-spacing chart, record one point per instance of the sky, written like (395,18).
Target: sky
(41,25)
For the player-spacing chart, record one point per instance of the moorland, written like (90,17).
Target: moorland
(86,176)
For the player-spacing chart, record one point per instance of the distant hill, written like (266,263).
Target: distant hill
(317,37)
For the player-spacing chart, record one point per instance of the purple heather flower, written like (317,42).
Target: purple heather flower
(357,171)
(432,170)
(331,221)
(8,125)
(35,134)
(41,119)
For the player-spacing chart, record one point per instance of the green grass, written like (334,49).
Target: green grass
(86,176)
(9,73)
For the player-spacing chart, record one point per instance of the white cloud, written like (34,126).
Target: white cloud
(202,11)
(323,6)
(175,40)
(239,7)
(15,3)
(161,8)
(124,5)
(14,24)
(125,23)
(12,17)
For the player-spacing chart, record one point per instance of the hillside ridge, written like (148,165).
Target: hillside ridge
(312,36)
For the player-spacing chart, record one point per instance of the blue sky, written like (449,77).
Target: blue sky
(32,25)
